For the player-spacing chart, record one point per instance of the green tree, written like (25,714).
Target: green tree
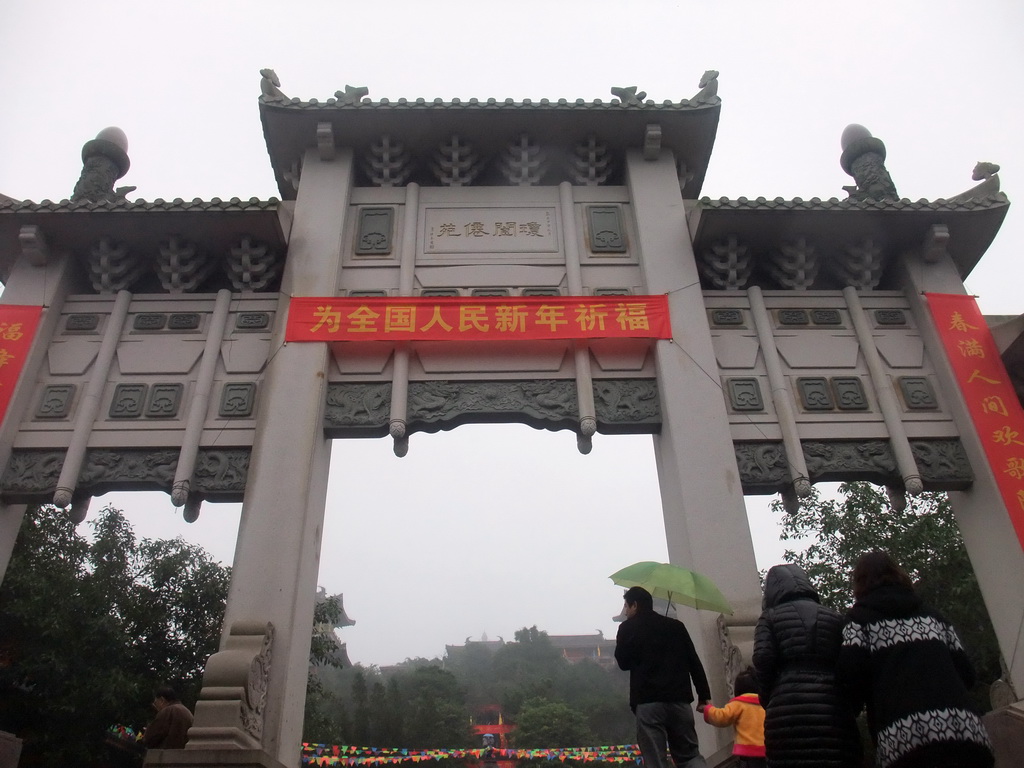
(544,724)
(436,714)
(89,628)
(923,538)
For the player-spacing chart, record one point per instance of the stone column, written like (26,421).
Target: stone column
(991,540)
(45,284)
(273,579)
(702,499)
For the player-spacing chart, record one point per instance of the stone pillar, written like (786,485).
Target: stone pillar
(44,284)
(991,540)
(273,579)
(702,499)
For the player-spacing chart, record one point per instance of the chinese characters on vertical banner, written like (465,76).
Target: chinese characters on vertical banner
(478,319)
(991,400)
(17,329)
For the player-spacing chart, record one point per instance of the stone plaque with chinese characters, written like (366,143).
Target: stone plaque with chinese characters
(490,230)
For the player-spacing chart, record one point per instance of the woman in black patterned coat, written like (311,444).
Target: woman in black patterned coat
(796,646)
(906,663)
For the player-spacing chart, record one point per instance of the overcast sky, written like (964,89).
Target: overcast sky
(488,529)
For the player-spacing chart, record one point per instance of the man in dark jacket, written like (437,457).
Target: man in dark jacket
(169,729)
(661,660)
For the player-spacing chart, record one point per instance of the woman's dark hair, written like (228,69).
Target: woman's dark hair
(640,597)
(877,569)
(746,682)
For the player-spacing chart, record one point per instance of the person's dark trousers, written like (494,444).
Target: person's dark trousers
(752,762)
(661,725)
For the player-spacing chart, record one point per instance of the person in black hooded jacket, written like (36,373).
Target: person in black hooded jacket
(808,724)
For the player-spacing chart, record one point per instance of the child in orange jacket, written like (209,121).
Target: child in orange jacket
(745,713)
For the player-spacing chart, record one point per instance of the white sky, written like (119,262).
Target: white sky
(488,529)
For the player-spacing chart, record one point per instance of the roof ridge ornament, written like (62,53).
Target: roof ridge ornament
(104,161)
(864,158)
(708,93)
(988,175)
(629,96)
(270,86)
(352,94)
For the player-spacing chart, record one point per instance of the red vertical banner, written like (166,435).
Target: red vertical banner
(990,397)
(18,326)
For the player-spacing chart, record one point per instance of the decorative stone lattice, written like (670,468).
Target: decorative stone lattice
(523,163)
(727,265)
(112,267)
(860,266)
(455,163)
(591,164)
(388,164)
(251,266)
(794,265)
(181,266)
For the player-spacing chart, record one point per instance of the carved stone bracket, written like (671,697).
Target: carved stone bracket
(230,710)
(31,475)
(736,640)
(943,464)
(622,405)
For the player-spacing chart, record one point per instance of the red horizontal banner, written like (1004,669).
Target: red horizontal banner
(990,397)
(490,318)
(17,330)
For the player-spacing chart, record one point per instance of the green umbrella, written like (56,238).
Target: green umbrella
(675,584)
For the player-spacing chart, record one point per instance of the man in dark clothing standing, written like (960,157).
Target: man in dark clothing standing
(661,660)
(169,729)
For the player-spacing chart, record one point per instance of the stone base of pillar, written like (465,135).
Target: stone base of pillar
(211,758)
(723,758)
(10,750)
(1006,729)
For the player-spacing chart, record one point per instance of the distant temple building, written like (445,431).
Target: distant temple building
(573,648)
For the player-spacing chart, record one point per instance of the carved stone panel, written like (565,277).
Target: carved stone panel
(164,401)
(31,475)
(763,466)
(252,321)
(793,317)
(183,321)
(82,323)
(815,394)
(727,317)
(890,317)
(545,404)
(357,409)
(849,393)
(826,317)
(128,401)
(56,401)
(917,393)
(745,394)
(149,321)
(606,231)
(943,464)
(627,406)
(237,400)
(842,460)
(374,231)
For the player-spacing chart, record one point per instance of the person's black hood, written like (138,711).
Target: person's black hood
(785,583)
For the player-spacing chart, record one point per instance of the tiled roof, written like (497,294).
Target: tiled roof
(178,204)
(835,204)
(487,104)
